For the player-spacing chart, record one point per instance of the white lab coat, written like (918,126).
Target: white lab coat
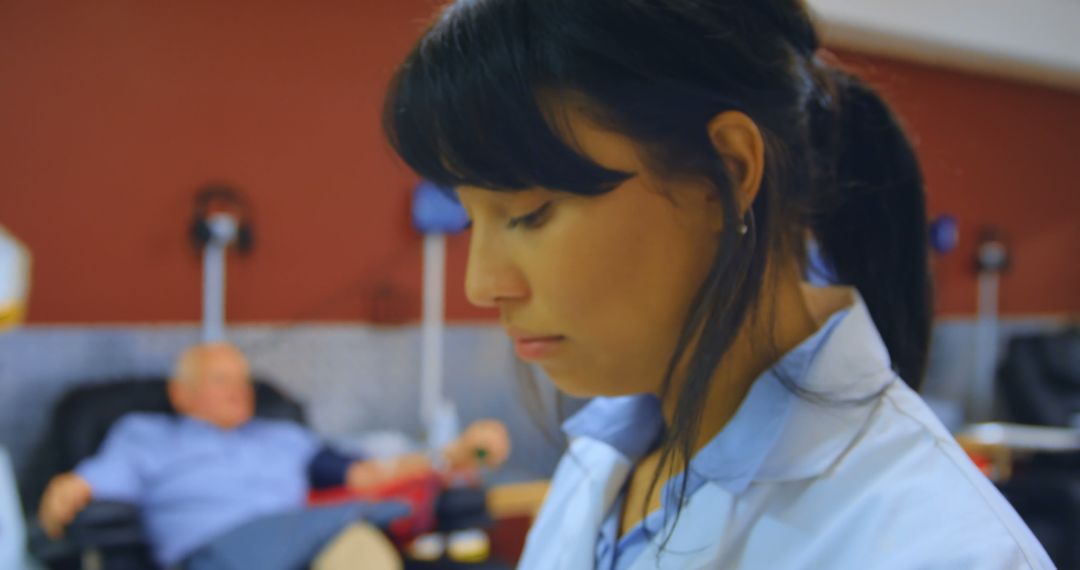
(12,531)
(793,484)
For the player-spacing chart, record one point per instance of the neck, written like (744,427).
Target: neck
(783,317)
(209,422)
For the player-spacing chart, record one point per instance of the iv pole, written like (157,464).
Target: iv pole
(223,231)
(435,215)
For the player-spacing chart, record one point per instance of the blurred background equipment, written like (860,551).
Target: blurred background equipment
(1036,461)
(221,220)
(944,234)
(435,215)
(14,280)
(991,260)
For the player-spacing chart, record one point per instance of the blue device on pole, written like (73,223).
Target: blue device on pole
(944,233)
(435,211)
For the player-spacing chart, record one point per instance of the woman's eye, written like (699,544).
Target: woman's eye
(532,219)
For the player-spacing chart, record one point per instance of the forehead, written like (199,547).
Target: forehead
(220,358)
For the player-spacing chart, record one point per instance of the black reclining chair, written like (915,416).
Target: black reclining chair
(1040,381)
(107,535)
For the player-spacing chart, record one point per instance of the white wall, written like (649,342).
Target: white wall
(1030,40)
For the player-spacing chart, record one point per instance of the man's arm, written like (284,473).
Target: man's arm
(484,443)
(110,474)
(65,497)
(329,468)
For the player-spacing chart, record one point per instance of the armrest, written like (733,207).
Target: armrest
(106,524)
(101,525)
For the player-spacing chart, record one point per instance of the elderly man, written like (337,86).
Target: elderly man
(214,467)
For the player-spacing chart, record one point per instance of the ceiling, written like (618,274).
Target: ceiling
(1029,40)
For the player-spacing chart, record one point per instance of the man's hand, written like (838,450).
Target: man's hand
(65,497)
(485,443)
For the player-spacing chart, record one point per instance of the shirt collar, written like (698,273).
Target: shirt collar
(841,389)
(734,456)
(630,424)
(775,434)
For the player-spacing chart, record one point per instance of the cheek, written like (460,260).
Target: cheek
(240,397)
(226,398)
(622,286)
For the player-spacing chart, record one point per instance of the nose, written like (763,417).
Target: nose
(492,278)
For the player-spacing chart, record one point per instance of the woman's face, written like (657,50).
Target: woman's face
(594,290)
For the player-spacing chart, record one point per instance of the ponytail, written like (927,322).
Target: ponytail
(870,220)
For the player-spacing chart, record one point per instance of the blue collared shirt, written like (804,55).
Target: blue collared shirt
(632,425)
(857,475)
(195,481)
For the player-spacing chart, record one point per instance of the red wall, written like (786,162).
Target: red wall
(995,153)
(112,114)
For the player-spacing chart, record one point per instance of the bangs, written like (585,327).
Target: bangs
(463,109)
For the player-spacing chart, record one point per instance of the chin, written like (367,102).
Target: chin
(586,386)
(235,422)
(578,387)
(575,391)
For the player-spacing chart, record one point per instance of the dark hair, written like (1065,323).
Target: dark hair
(476,103)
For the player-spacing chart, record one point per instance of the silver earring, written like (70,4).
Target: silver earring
(744,227)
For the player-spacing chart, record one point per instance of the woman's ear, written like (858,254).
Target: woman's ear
(738,142)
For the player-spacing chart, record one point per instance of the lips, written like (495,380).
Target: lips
(534,347)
